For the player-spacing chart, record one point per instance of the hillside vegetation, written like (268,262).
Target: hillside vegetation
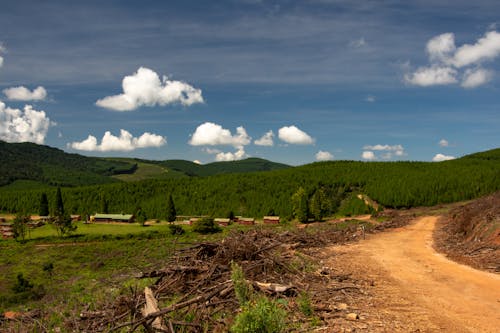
(45,165)
(391,184)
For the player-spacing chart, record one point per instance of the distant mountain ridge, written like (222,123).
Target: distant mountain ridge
(48,166)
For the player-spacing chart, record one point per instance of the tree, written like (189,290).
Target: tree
(299,202)
(20,226)
(59,205)
(318,204)
(62,221)
(141,217)
(104,204)
(44,205)
(171,214)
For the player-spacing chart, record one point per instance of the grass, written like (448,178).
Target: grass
(148,171)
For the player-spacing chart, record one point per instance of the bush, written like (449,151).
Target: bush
(264,315)
(205,226)
(242,288)
(175,229)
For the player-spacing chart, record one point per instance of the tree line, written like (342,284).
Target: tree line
(324,184)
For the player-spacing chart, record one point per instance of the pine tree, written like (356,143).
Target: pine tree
(170,209)
(62,222)
(299,201)
(44,205)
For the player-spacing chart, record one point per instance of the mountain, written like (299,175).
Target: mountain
(489,155)
(44,165)
(28,165)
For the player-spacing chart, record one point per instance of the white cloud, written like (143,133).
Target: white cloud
(441,157)
(124,142)
(144,88)
(24,94)
(210,134)
(2,50)
(370,99)
(266,140)
(293,135)
(390,151)
(358,43)
(324,156)
(368,155)
(486,48)
(476,77)
(444,143)
(431,76)
(26,125)
(441,48)
(238,155)
(446,61)
(197,162)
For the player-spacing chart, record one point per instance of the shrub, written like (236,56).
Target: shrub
(206,226)
(264,315)
(175,229)
(242,288)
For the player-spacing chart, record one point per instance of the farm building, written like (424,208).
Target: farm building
(246,220)
(271,219)
(6,230)
(76,218)
(112,218)
(223,222)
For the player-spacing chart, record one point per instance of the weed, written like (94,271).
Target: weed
(242,288)
(263,315)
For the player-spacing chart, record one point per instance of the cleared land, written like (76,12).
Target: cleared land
(416,288)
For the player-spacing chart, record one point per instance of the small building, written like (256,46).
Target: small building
(76,218)
(271,219)
(223,222)
(6,230)
(126,218)
(246,220)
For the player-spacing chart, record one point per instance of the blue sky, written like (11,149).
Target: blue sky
(357,80)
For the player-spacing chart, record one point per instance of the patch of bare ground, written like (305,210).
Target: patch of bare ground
(470,233)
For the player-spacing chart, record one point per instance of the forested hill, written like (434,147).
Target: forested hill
(51,166)
(216,168)
(35,165)
(324,185)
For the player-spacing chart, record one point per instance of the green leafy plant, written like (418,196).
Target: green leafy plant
(242,288)
(262,315)
(206,226)
(175,229)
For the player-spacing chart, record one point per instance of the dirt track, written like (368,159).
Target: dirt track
(416,289)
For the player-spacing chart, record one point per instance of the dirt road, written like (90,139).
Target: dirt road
(416,289)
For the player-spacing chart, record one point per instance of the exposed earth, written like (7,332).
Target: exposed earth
(410,287)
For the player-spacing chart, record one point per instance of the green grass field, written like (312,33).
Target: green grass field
(147,171)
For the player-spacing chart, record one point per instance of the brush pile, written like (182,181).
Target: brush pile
(194,292)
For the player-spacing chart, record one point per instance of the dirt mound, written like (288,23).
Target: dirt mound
(470,233)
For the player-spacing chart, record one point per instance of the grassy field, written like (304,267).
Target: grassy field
(147,171)
(97,263)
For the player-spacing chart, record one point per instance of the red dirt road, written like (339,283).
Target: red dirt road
(416,288)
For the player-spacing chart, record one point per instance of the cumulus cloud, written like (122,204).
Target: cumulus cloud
(368,155)
(293,135)
(237,155)
(431,76)
(144,88)
(444,143)
(210,134)
(476,77)
(24,94)
(266,140)
(124,142)
(324,156)
(27,125)
(441,157)
(388,150)
(447,60)
(440,48)
(486,48)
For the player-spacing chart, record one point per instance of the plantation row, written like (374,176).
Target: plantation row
(392,184)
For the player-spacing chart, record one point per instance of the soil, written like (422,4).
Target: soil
(409,287)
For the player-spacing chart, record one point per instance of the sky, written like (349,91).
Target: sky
(289,81)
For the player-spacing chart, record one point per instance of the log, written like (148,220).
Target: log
(151,306)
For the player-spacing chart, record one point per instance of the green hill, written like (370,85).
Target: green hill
(43,165)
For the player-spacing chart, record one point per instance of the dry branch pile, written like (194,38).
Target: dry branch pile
(194,291)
